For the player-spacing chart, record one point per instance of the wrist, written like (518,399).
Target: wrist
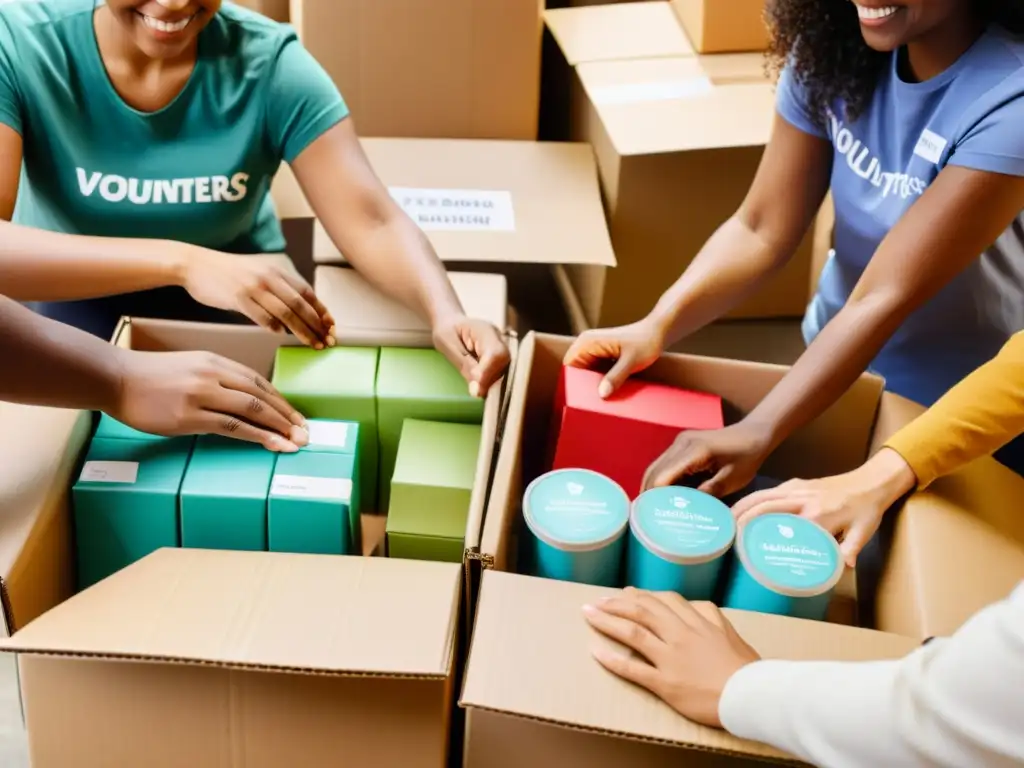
(889,475)
(659,322)
(114,379)
(174,260)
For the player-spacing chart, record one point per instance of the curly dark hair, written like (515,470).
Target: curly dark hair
(822,42)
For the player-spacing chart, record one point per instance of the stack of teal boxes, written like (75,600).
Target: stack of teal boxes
(419,436)
(126,498)
(138,493)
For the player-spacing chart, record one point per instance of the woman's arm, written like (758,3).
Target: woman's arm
(926,249)
(387,247)
(759,239)
(977,417)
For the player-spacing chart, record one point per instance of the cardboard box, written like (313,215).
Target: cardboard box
(440,69)
(620,436)
(316,651)
(313,505)
(549,702)
(274,9)
(416,384)
(724,26)
(544,201)
(224,495)
(432,489)
(336,384)
(126,502)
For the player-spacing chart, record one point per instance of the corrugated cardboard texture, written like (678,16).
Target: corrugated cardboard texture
(264,611)
(724,26)
(515,668)
(556,202)
(620,31)
(95,714)
(355,304)
(440,69)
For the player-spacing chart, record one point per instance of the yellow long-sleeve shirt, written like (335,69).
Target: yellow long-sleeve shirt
(977,417)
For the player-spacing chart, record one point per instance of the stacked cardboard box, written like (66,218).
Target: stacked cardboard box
(443,69)
(274,9)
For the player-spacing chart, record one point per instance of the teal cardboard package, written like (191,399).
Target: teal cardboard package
(224,495)
(126,502)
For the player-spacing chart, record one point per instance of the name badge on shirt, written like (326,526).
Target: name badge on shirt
(930,146)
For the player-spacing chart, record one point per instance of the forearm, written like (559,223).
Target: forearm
(49,363)
(951,703)
(733,265)
(395,256)
(36,265)
(841,352)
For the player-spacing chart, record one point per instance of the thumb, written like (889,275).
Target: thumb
(719,485)
(617,376)
(855,540)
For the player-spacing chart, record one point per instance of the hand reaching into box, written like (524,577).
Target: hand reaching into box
(631,349)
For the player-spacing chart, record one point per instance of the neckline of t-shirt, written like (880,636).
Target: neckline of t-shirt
(943,78)
(97,60)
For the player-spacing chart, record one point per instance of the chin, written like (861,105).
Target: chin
(883,43)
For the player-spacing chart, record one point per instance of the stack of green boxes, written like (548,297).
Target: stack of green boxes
(138,493)
(419,436)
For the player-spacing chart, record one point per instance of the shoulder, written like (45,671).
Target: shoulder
(994,82)
(250,38)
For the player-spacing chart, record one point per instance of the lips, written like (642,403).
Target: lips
(868,13)
(169,27)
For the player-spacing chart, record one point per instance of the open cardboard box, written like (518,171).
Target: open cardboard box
(532,692)
(255,659)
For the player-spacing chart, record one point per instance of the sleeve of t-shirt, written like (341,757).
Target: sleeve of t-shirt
(791,103)
(303,101)
(10,102)
(995,143)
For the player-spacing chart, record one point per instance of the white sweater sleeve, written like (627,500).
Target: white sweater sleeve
(952,703)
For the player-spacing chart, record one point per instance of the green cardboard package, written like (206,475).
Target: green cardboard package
(126,502)
(431,490)
(336,384)
(417,384)
(224,495)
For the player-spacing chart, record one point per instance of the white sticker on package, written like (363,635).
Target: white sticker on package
(126,472)
(331,433)
(635,93)
(457,210)
(304,487)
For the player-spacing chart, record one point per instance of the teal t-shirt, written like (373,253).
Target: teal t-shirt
(196,171)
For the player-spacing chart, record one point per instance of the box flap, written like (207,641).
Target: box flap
(531,657)
(725,68)
(307,614)
(354,303)
(650,106)
(619,31)
(494,201)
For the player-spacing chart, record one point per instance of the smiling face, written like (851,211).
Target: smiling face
(163,28)
(889,24)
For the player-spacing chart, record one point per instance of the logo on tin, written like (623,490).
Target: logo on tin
(786,532)
(574,489)
(679,502)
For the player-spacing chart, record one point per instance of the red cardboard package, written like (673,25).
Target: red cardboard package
(621,436)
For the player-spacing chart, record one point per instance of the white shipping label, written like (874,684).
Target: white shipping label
(332,433)
(634,93)
(457,210)
(303,487)
(110,472)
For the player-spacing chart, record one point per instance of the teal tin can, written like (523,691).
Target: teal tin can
(679,538)
(786,565)
(577,522)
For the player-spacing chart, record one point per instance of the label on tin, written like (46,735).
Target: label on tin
(577,507)
(790,551)
(684,522)
(125,472)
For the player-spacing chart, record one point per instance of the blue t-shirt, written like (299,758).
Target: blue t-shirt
(198,170)
(971,115)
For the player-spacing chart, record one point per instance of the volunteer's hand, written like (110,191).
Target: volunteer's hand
(195,393)
(850,506)
(269,295)
(722,460)
(688,654)
(476,348)
(632,348)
